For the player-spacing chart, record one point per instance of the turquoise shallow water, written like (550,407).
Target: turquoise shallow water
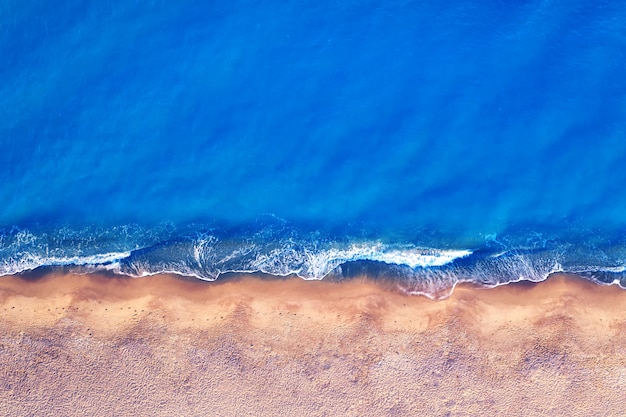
(310,137)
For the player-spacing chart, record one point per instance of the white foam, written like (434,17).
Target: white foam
(318,264)
(28,262)
(613,269)
(290,259)
(420,258)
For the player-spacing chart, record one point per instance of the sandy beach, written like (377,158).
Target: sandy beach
(247,346)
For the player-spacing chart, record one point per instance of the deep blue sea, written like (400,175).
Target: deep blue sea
(434,142)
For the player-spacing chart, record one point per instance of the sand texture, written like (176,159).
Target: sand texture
(94,345)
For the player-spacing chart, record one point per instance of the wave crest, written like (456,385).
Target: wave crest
(280,250)
(209,257)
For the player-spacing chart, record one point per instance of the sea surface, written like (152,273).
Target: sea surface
(430,142)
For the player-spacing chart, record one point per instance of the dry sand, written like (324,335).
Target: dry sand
(93,345)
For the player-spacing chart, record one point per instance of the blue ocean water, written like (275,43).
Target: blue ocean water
(439,141)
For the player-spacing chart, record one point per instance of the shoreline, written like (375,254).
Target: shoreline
(168,292)
(251,346)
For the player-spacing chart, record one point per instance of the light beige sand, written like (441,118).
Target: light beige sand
(91,345)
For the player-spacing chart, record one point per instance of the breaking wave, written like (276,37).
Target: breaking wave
(277,249)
